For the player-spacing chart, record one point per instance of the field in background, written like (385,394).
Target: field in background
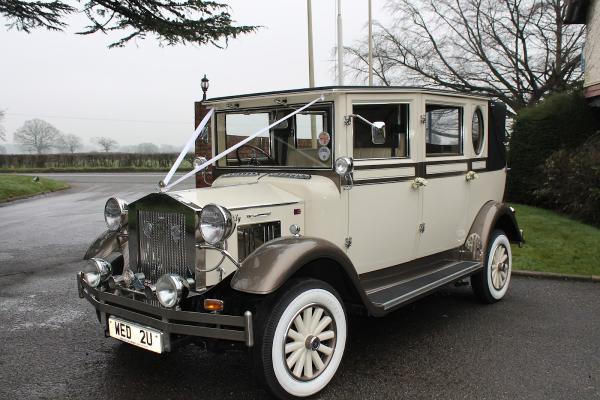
(554,243)
(91,162)
(14,187)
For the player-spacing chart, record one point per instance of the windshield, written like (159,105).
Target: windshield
(302,141)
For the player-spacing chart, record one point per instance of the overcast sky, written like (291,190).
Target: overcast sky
(145,93)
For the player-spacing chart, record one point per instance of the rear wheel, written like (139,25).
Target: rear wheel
(491,284)
(302,340)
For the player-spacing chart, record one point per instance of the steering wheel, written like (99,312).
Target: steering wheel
(254,160)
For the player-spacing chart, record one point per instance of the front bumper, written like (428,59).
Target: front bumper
(170,322)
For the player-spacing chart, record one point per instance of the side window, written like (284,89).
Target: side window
(443,130)
(395,117)
(477,131)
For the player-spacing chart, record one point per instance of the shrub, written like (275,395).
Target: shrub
(571,182)
(561,121)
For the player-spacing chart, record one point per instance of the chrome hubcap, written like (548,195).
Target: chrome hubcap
(310,342)
(500,267)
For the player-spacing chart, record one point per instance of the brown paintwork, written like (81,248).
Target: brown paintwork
(485,222)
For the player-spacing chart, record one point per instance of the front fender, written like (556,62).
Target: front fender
(107,243)
(271,265)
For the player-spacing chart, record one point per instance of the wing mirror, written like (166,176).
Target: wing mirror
(378,132)
(377,128)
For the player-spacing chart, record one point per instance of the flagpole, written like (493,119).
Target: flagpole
(340,45)
(370,45)
(311,60)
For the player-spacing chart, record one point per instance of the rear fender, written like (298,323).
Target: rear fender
(493,215)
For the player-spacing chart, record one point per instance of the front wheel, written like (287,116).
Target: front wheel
(491,284)
(302,340)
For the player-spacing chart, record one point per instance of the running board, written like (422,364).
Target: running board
(395,294)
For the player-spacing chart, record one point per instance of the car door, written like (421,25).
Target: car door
(383,209)
(446,194)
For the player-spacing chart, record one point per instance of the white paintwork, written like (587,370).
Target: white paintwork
(382,219)
(288,383)
(383,173)
(479,164)
(444,168)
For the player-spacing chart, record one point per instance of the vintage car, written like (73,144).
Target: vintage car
(325,201)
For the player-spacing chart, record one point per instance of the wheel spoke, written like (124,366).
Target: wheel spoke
(300,325)
(325,349)
(293,359)
(293,346)
(307,319)
(504,258)
(317,360)
(322,325)
(292,334)
(308,365)
(316,318)
(300,364)
(326,335)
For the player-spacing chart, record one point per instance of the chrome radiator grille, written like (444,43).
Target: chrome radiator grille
(162,244)
(250,237)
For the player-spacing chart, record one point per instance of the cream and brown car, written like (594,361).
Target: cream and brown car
(324,201)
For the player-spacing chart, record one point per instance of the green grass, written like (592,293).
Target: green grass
(555,243)
(14,187)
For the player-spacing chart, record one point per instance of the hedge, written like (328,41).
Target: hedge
(82,161)
(561,121)
(571,182)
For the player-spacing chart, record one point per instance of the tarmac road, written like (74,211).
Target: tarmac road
(541,342)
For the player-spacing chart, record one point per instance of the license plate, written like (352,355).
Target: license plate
(137,335)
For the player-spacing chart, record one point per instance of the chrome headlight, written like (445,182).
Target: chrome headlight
(343,166)
(96,271)
(115,213)
(216,224)
(170,289)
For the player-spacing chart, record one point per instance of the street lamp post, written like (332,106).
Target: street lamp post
(204,86)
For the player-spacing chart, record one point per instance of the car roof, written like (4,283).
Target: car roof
(351,89)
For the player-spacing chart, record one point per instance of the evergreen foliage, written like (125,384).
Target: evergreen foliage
(170,21)
(561,121)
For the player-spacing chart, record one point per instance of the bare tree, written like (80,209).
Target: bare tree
(37,135)
(515,50)
(2,130)
(69,142)
(107,144)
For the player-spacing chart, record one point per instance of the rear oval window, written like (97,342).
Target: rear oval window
(477,131)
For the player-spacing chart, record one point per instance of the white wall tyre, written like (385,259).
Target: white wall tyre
(302,340)
(491,284)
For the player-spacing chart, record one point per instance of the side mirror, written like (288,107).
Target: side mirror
(378,132)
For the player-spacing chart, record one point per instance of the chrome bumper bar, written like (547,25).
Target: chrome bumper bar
(216,326)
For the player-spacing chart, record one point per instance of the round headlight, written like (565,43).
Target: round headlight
(216,224)
(115,213)
(343,165)
(170,289)
(96,271)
